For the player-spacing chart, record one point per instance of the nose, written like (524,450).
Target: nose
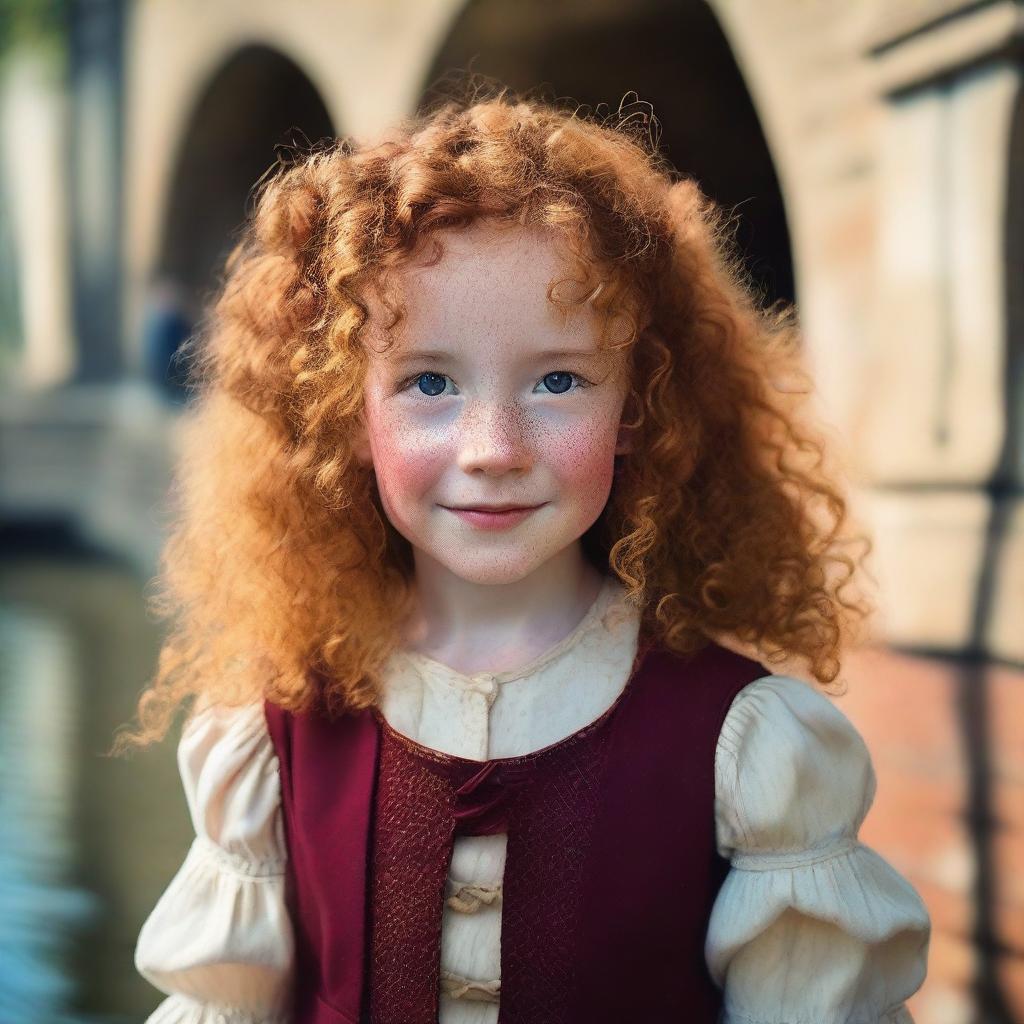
(494,439)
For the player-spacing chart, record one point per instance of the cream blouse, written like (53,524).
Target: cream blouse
(810,926)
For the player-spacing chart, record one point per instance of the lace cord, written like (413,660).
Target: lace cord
(468,898)
(455,986)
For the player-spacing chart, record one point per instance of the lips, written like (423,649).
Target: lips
(490,508)
(493,517)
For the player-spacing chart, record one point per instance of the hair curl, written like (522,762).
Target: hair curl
(282,574)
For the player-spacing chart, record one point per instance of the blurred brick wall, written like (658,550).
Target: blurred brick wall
(947,741)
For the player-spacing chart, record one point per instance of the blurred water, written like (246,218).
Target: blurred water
(40,912)
(87,843)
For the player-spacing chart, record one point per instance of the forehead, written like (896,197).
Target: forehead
(521,259)
(491,281)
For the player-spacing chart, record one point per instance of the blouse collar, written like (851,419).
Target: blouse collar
(611,594)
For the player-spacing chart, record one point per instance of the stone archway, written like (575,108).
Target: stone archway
(675,56)
(257,100)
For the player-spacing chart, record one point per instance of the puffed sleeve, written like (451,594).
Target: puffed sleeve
(219,941)
(810,925)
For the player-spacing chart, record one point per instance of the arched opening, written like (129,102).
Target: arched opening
(257,100)
(674,55)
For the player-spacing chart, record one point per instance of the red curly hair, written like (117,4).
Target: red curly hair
(282,574)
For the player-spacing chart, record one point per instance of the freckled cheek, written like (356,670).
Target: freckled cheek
(408,462)
(584,463)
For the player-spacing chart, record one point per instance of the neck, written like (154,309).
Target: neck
(477,627)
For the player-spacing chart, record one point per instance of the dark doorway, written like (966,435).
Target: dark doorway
(674,55)
(258,99)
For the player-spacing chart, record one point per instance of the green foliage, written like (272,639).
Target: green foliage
(33,23)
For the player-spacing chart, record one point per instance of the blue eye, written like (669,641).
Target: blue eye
(558,382)
(431,383)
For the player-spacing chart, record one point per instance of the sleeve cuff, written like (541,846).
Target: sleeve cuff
(219,934)
(179,1009)
(818,937)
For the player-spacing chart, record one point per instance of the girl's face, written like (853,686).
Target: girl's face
(489,400)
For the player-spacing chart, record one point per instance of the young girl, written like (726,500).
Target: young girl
(495,504)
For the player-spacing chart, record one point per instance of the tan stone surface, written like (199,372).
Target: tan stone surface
(908,710)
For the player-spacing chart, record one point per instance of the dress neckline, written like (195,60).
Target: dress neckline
(610,589)
(443,759)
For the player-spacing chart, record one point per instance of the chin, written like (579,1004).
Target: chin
(492,573)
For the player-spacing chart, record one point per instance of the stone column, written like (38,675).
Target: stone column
(34,183)
(95,143)
(937,428)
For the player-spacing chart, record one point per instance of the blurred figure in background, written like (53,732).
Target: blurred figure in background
(167,323)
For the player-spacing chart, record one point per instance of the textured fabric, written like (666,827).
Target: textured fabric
(413,829)
(548,802)
(790,771)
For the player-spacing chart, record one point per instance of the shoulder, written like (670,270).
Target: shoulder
(223,738)
(788,715)
(229,772)
(214,720)
(790,768)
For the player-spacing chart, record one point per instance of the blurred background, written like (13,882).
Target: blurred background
(872,153)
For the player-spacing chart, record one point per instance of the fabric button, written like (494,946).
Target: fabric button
(475,715)
(486,684)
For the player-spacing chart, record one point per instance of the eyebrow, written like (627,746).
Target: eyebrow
(567,353)
(428,354)
(409,356)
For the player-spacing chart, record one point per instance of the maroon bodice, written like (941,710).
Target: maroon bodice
(546,802)
(610,873)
